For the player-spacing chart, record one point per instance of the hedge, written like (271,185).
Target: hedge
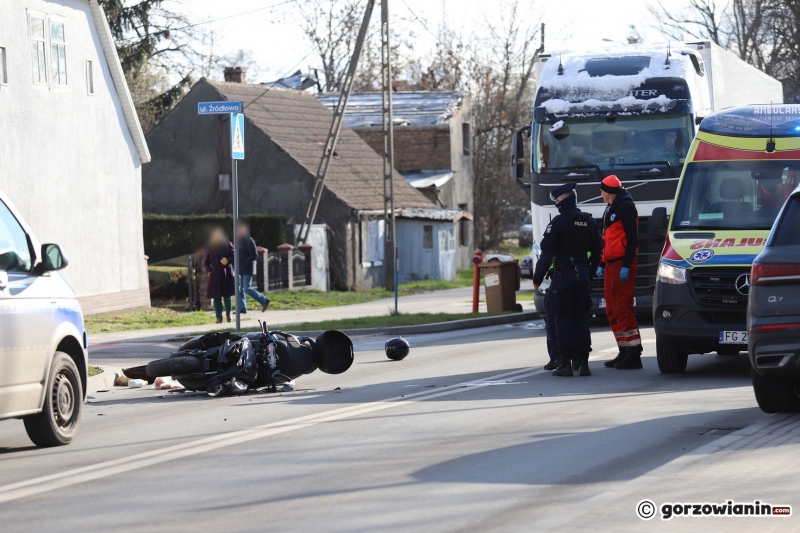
(168,236)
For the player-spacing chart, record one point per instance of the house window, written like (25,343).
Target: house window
(58,53)
(427,237)
(3,68)
(89,77)
(38,50)
(225,182)
(465,138)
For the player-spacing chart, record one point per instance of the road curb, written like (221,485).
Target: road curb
(436,327)
(102,381)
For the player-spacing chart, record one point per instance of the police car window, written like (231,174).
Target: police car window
(734,194)
(14,253)
(787,234)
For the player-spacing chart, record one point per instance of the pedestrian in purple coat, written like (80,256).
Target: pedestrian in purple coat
(219,266)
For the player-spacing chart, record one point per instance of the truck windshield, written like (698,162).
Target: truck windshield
(724,195)
(612,142)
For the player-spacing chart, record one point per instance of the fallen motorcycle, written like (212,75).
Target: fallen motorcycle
(228,363)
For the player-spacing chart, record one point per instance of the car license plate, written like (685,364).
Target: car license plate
(733,337)
(525,271)
(601,303)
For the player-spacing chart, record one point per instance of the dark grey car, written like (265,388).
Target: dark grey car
(773,314)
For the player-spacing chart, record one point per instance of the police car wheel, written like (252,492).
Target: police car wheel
(57,423)
(671,360)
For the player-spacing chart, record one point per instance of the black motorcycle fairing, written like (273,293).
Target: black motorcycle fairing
(294,358)
(209,340)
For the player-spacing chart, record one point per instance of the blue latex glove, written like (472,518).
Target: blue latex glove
(623,274)
(599,272)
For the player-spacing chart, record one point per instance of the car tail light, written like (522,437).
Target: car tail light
(773,328)
(763,273)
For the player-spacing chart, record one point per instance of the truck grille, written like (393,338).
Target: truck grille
(717,286)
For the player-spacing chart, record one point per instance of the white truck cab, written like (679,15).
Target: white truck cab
(43,344)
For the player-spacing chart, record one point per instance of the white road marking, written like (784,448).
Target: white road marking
(68,478)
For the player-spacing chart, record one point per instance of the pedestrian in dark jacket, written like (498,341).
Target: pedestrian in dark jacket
(248,254)
(219,266)
(619,266)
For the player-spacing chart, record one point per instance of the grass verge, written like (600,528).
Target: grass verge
(300,300)
(94,370)
(383,321)
(145,319)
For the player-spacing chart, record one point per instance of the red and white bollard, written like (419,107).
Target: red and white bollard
(477,258)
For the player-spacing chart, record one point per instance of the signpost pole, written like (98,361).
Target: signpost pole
(235,187)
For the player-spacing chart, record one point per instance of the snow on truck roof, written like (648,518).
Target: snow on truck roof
(766,120)
(608,78)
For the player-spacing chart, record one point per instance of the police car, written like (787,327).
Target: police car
(43,360)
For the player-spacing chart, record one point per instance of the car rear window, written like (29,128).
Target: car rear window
(788,230)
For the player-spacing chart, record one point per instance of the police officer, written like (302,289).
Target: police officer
(550,328)
(567,244)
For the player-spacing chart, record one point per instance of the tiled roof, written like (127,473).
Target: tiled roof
(298,123)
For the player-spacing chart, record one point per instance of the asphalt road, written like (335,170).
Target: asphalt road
(466,434)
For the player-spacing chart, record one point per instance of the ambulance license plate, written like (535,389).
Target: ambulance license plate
(601,303)
(733,337)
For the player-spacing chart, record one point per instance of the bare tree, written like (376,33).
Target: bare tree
(501,79)
(331,26)
(762,32)
(701,20)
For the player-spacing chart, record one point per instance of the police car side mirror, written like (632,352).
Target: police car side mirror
(518,155)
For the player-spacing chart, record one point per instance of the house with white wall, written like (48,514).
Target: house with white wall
(71,146)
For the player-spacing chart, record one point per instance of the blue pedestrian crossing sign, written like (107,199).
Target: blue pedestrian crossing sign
(237,136)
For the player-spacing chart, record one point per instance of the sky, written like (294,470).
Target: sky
(277,44)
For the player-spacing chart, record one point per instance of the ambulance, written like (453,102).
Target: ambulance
(741,167)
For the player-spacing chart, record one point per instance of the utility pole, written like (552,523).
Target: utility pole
(336,127)
(391,250)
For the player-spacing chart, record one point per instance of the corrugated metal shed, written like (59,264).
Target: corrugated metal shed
(419,108)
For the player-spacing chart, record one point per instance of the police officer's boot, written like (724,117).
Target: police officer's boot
(565,369)
(633,359)
(553,364)
(618,359)
(584,365)
(576,364)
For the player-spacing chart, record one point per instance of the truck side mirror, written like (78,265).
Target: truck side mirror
(518,155)
(657,225)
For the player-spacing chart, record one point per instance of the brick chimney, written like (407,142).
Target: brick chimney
(235,74)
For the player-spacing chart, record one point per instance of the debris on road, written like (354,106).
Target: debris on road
(166,383)
(136,383)
(121,381)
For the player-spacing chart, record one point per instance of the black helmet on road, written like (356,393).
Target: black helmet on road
(397,348)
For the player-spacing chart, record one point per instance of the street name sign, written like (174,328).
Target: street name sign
(237,136)
(219,108)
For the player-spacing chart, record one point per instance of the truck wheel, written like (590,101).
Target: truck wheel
(174,366)
(774,396)
(57,423)
(671,360)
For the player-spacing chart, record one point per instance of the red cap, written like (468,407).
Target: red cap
(611,185)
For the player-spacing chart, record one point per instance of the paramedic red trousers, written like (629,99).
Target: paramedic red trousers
(619,304)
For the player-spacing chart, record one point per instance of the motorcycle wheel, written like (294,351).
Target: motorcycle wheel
(174,366)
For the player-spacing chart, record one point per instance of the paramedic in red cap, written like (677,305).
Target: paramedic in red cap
(618,268)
